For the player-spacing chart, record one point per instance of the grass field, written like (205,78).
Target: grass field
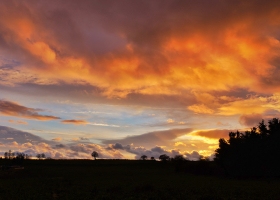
(124,179)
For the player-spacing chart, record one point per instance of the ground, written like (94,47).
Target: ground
(124,179)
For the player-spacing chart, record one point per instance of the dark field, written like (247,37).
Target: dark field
(124,179)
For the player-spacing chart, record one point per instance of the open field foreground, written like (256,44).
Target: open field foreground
(124,179)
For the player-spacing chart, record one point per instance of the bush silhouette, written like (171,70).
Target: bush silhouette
(252,153)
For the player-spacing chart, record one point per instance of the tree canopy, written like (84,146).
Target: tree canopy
(144,157)
(94,154)
(252,153)
(164,157)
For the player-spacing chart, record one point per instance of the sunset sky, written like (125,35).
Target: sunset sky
(127,78)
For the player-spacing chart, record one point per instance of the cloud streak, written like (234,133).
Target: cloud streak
(14,109)
(152,139)
(74,121)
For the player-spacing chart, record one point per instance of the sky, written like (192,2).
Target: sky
(131,78)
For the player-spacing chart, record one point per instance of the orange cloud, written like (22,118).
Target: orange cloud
(252,104)
(18,122)
(74,121)
(14,109)
(57,139)
(216,134)
(250,119)
(166,56)
(200,108)
(170,121)
(179,143)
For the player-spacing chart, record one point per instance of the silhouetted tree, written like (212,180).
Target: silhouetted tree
(178,158)
(252,153)
(9,155)
(40,155)
(164,157)
(94,154)
(152,158)
(144,157)
(6,155)
(20,156)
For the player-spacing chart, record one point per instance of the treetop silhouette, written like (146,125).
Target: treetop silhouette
(94,154)
(252,153)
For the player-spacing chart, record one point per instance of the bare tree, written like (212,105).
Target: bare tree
(6,155)
(20,156)
(9,155)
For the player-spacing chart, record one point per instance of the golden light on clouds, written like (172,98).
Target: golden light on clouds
(200,108)
(136,70)
(74,121)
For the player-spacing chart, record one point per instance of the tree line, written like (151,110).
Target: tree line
(9,155)
(253,153)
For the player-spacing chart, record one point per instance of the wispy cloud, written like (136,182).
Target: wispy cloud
(101,124)
(13,109)
(18,122)
(150,139)
(74,121)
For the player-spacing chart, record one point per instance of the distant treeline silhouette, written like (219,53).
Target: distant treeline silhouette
(254,153)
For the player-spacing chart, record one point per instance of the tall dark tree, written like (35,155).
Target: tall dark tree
(6,155)
(252,153)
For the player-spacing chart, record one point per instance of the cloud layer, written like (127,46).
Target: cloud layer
(181,72)
(152,139)
(14,109)
(32,145)
(184,46)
